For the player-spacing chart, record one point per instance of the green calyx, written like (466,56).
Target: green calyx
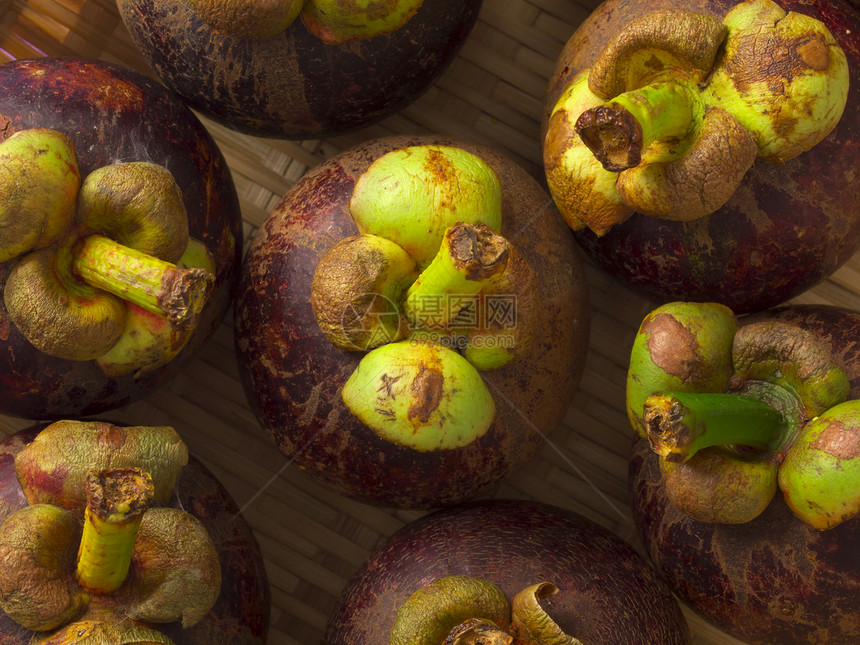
(717,485)
(821,474)
(412,195)
(791,106)
(23,561)
(104,631)
(725,440)
(134,561)
(342,21)
(39,188)
(681,347)
(593,199)
(678,99)
(357,289)
(420,395)
(84,253)
(463,610)
(431,612)
(432,289)
(52,469)
(335,22)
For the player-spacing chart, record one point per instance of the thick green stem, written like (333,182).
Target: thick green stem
(116,502)
(681,424)
(617,133)
(159,287)
(469,260)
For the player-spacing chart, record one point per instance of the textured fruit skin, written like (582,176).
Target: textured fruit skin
(787,228)
(774,579)
(241,614)
(293,376)
(607,593)
(293,85)
(113,114)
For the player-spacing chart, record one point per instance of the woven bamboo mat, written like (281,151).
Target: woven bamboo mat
(313,539)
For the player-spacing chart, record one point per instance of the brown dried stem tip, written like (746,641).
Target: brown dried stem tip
(613,135)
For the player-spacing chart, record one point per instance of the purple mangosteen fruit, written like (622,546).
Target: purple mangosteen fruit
(299,68)
(745,475)
(505,571)
(700,150)
(113,534)
(120,237)
(412,320)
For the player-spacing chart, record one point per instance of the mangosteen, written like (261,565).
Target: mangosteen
(295,69)
(503,569)
(412,321)
(700,150)
(120,237)
(745,476)
(117,534)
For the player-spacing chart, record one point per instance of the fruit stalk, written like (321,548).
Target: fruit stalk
(160,287)
(469,260)
(116,502)
(617,133)
(681,424)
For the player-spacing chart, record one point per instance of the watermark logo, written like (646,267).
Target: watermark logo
(371,319)
(452,320)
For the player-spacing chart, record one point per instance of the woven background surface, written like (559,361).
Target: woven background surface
(312,539)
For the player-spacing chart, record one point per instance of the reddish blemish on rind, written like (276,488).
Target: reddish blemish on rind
(52,483)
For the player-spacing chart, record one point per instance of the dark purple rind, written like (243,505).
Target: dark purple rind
(293,85)
(113,114)
(293,376)
(607,593)
(786,229)
(774,579)
(241,614)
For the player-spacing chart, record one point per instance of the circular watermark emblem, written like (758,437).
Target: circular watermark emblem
(370,320)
